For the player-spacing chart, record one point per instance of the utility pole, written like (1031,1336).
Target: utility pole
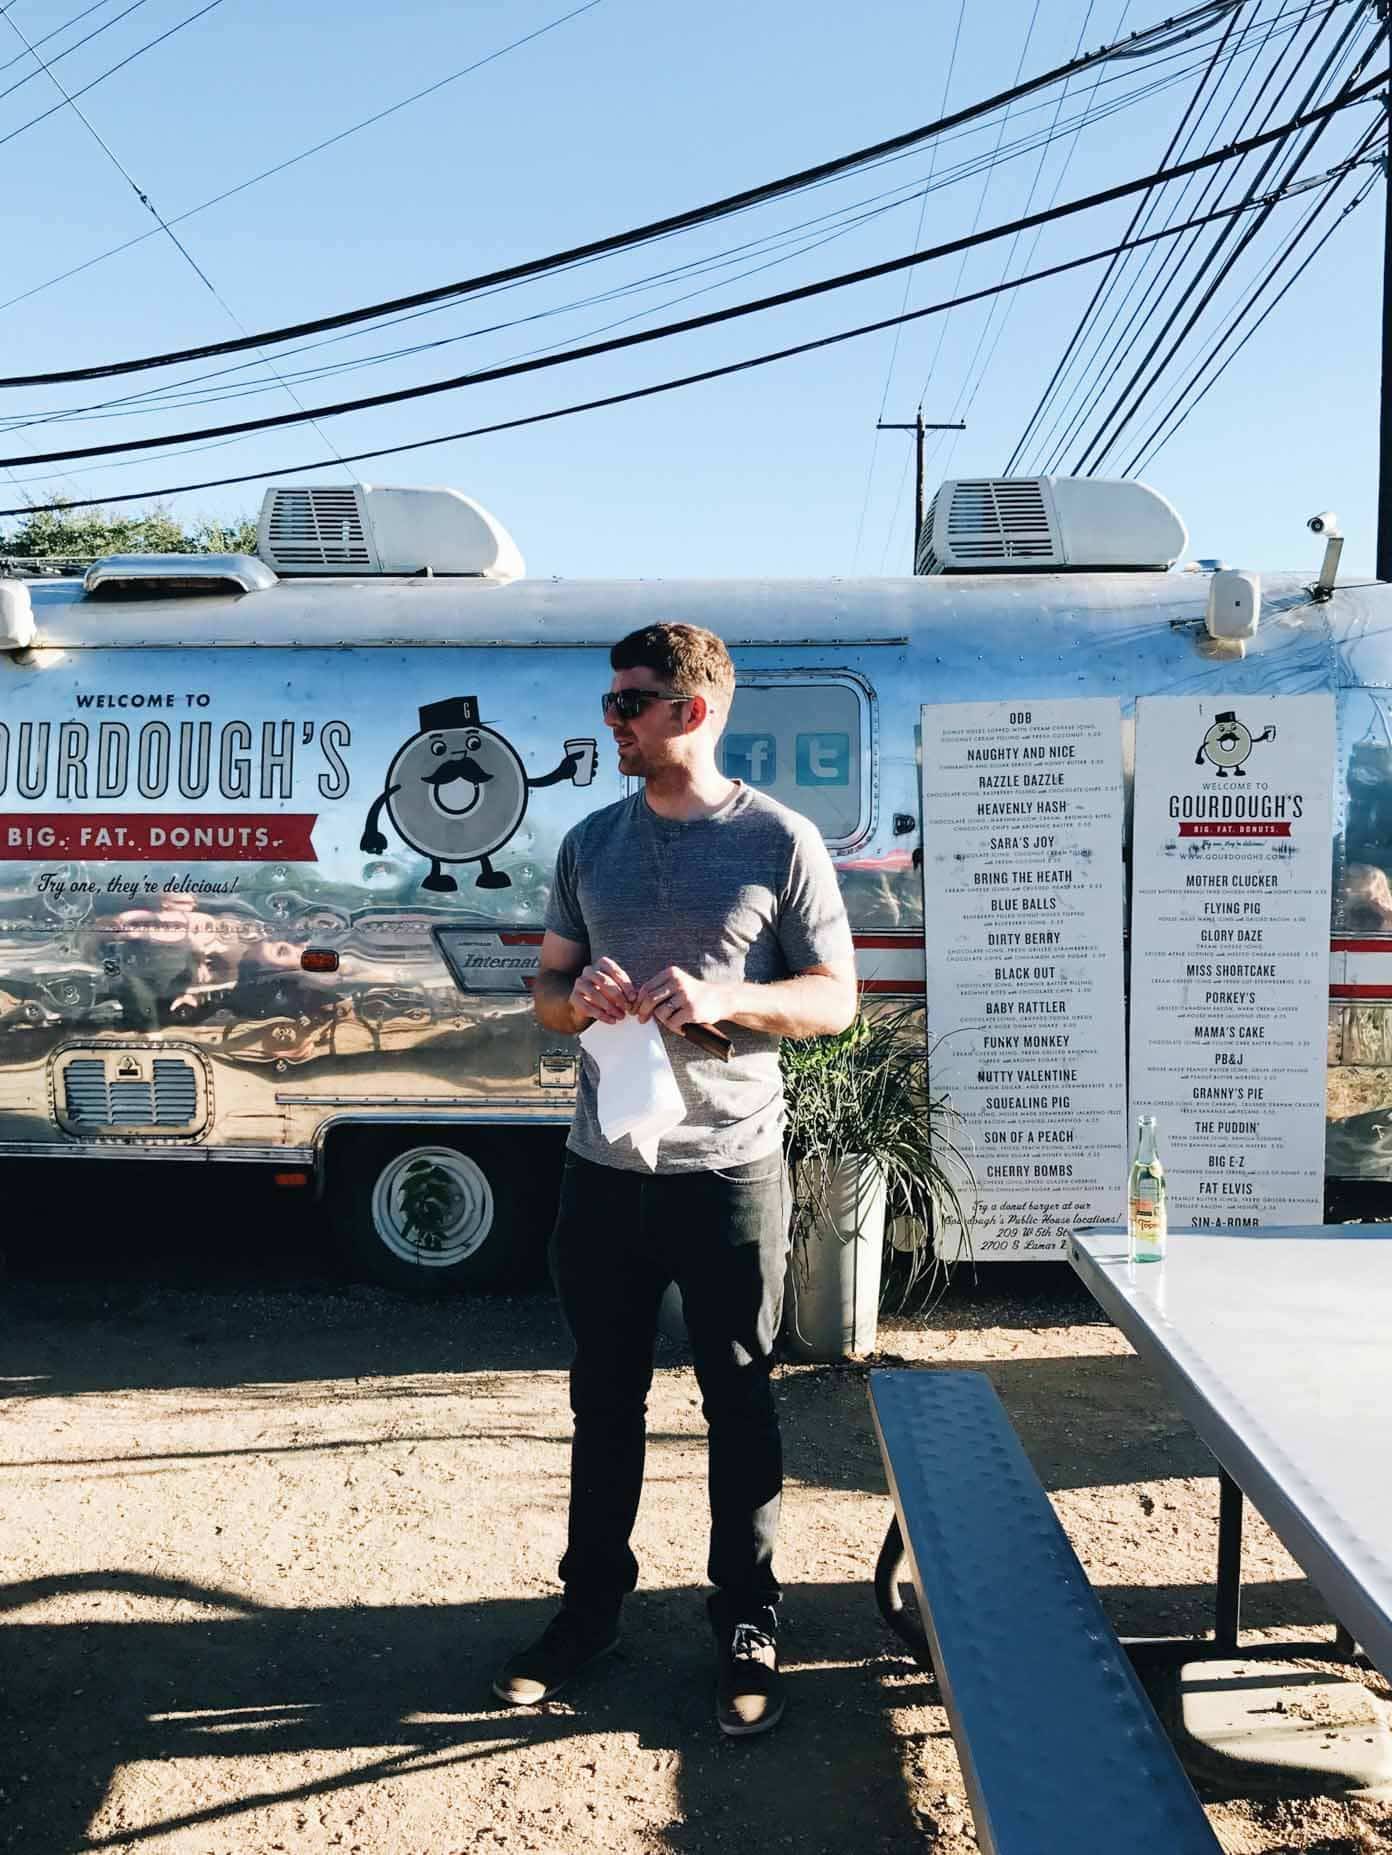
(918,428)
(1384,515)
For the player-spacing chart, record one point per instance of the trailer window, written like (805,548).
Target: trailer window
(802,743)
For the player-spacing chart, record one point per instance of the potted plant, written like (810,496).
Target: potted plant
(868,1145)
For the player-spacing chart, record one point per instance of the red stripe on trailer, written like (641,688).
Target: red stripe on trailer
(1360,991)
(889,943)
(1360,946)
(521,940)
(903,987)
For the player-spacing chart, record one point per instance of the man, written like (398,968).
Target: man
(696,901)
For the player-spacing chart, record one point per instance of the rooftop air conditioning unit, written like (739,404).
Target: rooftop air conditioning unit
(363,529)
(1048,525)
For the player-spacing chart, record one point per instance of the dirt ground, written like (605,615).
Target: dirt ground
(264,1536)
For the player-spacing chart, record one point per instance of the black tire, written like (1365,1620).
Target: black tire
(486,1193)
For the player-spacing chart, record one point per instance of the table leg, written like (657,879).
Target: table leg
(1229,1605)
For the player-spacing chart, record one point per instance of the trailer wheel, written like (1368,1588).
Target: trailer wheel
(425,1210)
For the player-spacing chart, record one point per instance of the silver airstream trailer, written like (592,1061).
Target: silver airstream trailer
(276,831)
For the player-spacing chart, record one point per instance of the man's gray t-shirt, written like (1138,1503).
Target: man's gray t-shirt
(748,893)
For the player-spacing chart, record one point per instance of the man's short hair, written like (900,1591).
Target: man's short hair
(688,660)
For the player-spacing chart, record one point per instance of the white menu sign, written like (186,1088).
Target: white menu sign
(1230,952)
(1022,877)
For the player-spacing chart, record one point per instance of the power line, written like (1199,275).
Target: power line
(648,392)
(1262,284)
(712,318)
(1290,282)
(53,33)
(1010,301)
(1034,245)
(1097,294)
(961,272)
(304,154)
(130,58)
(67,52)
(1109,432)
(1176,29)
(904,300)
(155,213)
(1126,327)
(843,219)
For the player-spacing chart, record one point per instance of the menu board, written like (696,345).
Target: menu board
(1022,877)
(1230,952)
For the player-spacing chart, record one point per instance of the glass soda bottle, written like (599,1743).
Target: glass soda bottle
(1147,1220)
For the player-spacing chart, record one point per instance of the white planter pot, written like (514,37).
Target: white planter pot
(831,1305)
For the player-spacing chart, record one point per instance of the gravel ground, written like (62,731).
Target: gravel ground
(264,1537)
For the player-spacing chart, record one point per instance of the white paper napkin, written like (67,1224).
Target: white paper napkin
(638,1094)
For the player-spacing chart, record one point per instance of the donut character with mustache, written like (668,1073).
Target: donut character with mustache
(457,791)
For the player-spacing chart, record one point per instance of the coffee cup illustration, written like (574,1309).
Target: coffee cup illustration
(584,754)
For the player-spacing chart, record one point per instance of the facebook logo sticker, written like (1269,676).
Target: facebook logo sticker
(752,758)
(824,759)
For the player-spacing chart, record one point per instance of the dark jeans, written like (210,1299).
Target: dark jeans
(620,1239)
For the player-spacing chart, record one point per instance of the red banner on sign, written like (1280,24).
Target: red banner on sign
(1235,827)
(158,837)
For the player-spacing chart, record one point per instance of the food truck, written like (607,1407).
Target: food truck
(276,831)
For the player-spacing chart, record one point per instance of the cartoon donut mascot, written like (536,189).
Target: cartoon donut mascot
(1229,742)
(457,791)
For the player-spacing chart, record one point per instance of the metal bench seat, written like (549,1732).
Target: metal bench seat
(1060,1749)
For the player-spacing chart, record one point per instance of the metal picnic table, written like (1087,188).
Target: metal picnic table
(1277,1346)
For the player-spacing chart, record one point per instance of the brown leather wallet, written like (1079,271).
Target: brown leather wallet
(707,1038)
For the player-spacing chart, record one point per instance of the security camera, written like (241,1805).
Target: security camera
(1325,523)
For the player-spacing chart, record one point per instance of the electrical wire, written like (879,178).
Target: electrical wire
(735,311)
(971,389)
(847,217)
(1130,321)
(1242,312)
(946,322)
(1034,245)
(904,300)
(280,167)
(1289,284)
(53,31)
(648,392)
(695,216)
(130,58)
(155,213)
(67,52)
(1105,280)
(1130,397)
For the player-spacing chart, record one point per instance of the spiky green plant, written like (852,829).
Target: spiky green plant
(865,1094)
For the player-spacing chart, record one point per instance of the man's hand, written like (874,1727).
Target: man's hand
(675,999)
(604,991)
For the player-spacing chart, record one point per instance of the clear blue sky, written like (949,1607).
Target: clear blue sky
(625,113)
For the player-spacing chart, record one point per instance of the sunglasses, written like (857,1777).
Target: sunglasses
(628,704)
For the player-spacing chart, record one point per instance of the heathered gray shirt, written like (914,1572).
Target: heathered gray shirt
(748,893)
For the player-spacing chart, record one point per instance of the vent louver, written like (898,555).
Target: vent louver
(318,528)
(371,528)
(1048,524)
(97,1096)
(986,523)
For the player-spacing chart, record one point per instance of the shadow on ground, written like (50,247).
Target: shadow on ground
(403,1690)
(406,1690)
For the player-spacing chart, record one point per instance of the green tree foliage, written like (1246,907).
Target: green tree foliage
(70,532)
